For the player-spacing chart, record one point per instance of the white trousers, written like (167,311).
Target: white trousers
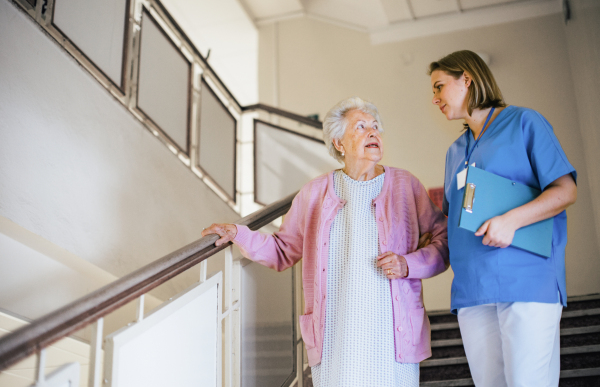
(513,344)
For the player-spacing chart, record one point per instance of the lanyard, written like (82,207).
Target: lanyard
(469,153)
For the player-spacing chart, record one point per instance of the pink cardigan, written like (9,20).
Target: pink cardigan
(403,211)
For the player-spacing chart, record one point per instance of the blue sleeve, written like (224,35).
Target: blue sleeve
(445,204)
(547,158)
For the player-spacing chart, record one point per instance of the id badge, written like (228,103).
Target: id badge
(461,178)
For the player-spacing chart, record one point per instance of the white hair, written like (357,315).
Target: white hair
(335,123)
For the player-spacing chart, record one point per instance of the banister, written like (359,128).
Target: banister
(284,113)
(48,329)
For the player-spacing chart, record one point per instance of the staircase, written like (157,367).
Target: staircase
(267,355)
(579,353)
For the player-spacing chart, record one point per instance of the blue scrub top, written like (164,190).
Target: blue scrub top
(519,145)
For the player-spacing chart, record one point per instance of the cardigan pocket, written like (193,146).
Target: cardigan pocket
(417,317)
(308,330)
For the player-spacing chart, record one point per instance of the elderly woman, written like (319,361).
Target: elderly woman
(358,230)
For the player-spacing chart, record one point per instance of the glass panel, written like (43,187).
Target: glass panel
(285,161)
(267,326)
(164,82)
(217,141)
(98,29)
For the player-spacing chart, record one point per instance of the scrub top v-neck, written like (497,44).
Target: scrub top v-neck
(519,145)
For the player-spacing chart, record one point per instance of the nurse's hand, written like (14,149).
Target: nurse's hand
(394,266)
(498,231)
(424,240)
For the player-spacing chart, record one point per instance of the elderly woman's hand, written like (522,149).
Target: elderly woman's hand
(394,266)
(226,231)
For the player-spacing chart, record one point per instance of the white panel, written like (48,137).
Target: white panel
(217,141)
(164,81)
(423,8)
(285,161)
(97,28)
(65,376)
(175,346)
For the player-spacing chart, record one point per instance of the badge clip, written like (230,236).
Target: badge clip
(469,197)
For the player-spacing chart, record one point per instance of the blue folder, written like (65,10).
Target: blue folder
(488,195)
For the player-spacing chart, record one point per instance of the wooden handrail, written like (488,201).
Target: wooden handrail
(284,113)
(54,326)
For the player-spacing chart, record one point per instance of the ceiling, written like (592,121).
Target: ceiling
(374,16)
(229,28)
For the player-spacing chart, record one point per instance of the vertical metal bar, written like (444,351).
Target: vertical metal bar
(227,361)
(203,269)
(140,308)
(95,354)
(236,322)
(298,336)
(40,366)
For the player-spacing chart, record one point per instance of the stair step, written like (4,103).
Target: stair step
(580,313)
(581,349)
(579,373)
(448,340)
(446,343)
(566,315)
(441,362)
(447,372)
(580,330)
(444,326)
(463,360)
(448,383)
(447,352)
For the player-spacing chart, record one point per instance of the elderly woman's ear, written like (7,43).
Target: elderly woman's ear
(338,145)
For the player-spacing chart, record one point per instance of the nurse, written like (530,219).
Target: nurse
(509,301)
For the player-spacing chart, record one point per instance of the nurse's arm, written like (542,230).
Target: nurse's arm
(558,195)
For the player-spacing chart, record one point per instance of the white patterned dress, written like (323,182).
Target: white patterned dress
(358,346)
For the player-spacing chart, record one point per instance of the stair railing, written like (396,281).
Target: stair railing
(92,308)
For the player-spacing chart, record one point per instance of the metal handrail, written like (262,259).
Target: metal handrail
(84,311)
(284,113)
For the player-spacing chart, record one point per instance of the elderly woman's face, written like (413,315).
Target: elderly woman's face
(362,139)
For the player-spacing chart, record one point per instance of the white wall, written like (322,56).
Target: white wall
(583,42)
(307,66)
(78,170)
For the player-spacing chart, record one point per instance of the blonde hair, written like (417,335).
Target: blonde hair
(483,91)
(334,123)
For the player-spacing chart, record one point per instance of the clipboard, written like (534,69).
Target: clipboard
(488,195)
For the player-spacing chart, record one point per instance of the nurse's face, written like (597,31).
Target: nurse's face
(450,94)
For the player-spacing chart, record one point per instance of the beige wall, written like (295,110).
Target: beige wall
(307,66)
(87,194)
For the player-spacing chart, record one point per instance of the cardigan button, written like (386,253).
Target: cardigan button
(399,328)
(397,298)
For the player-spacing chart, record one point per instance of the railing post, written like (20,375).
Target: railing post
(140,308)
(203,269)
(227,356)
(236,323)
(298,294)
(94,376)
(40,366)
